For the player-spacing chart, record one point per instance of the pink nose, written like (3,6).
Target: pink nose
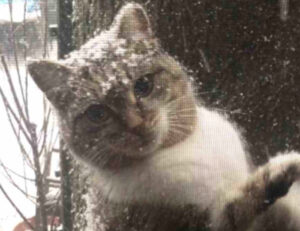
(133,119)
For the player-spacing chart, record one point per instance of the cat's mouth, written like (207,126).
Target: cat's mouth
(135,145)
(134,150)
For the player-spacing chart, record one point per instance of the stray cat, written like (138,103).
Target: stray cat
(127,110)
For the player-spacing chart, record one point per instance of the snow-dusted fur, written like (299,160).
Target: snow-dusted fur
(127,110)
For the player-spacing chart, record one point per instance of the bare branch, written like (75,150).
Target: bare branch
(47,166)
(13,183)
(56,209)
(16,208)
(15,97)
(10,111)
(25,57)
(15,173)
(44,131)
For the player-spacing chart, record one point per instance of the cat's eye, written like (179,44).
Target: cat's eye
(97,114)
(143,86)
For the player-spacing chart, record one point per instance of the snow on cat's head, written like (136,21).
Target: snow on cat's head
(129,36)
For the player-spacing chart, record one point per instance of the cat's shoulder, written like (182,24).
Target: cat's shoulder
(218,134)
(214,121)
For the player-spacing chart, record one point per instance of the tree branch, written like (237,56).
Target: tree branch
(16,208)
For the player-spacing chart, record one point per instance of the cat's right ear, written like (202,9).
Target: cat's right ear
(49,77)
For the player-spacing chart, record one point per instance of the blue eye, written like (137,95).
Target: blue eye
(97,113)
(143,86)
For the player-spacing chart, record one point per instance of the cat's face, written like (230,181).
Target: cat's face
(120,100)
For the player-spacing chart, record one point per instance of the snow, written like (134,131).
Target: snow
(52,196)
(284,9)
(18,11)
(94,49)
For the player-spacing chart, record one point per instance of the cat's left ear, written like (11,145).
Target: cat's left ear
(133,23)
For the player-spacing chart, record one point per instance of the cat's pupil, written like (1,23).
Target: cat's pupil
(97,113)
(143,86)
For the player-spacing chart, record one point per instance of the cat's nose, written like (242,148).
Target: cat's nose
(133,119)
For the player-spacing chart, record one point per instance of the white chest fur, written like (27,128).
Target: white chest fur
(195,171)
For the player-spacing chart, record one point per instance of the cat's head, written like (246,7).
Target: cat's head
(119,98)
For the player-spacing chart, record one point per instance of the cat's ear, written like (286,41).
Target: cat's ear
(133,23)
(48,75)
(51,78)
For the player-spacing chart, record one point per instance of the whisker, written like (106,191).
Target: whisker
(174,130)
(96,159)
(91,156)
(99,159)
(203,93)
(182,116)
(178,126)
(98,155)
(181,130)
(176,100)
(174,120)
(186,109)
(236,111)
(110,188)
(178,122)
(182,112)
(172,137)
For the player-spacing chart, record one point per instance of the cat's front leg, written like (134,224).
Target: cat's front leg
(241,206)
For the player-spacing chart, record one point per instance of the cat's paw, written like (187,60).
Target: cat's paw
(267,184)
(279,182)
(277,176)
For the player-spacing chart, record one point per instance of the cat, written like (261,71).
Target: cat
(127,110)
